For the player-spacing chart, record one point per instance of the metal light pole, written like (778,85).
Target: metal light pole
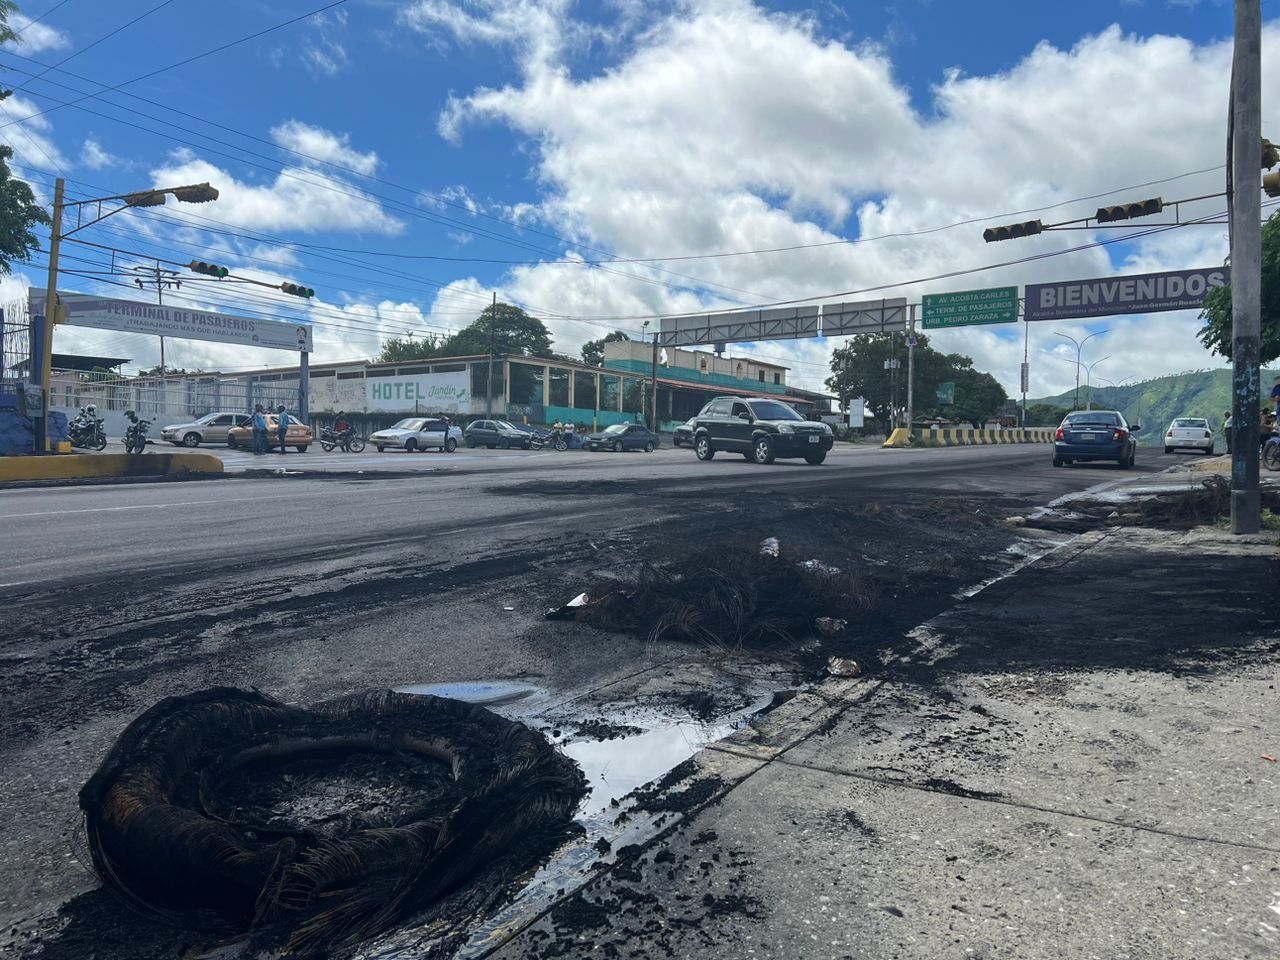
(1080,346)
(192,193)
(911,371)
(1245,183)
(1088,381)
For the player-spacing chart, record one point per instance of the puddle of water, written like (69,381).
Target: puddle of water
(488,694)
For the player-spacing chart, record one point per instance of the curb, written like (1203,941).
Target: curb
(106,465)
(902,437)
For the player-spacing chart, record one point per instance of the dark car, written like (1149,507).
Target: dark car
(761,429)
(1095,435)
(495,433)
(682,436)
(623,436)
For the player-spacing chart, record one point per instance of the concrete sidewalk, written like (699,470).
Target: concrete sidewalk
(1072,763)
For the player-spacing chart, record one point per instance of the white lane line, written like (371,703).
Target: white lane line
(146,506)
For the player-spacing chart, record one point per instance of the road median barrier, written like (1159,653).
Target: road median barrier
(952,437)
(86,466)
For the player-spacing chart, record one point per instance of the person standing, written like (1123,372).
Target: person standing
(282,425)
(1275,395)
(259,430)
(1227,430)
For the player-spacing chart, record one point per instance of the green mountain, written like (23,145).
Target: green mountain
(1153,403)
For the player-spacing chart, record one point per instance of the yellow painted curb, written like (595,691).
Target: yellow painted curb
(963,437)
(900,437)
(84,466)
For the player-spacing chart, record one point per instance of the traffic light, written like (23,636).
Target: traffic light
(1271,184)
(1126,211)
(296,290)
(1013,231)
(209,269)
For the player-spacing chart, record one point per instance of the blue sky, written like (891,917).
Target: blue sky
(406,158)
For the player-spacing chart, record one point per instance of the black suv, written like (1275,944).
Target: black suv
(761,429)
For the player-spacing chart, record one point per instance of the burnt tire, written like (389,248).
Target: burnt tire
(167,831)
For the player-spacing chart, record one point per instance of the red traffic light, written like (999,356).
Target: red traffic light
(1013,231)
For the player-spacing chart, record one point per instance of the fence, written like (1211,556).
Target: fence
(15,346)
(178,398)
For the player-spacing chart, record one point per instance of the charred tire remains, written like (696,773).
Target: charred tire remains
(173,826)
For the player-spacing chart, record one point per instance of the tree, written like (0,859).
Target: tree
(397,350)
(156,371)
(1216,333)
(858,370)
(979,396)
(508,328)
(19,212)
(1045,415)
(593,350)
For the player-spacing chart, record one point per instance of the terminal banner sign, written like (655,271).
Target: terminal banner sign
(1108,296)
(132,316)
(969,308)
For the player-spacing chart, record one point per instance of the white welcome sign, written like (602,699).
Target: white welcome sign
(420,393)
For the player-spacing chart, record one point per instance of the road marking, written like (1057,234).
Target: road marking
(143,506)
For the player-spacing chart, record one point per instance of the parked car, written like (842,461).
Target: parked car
(623,436)
(297,435)
(682,436)
(1189,433)
(418,433)
(496,433)
(211,428)
(1095,435)
(762,429)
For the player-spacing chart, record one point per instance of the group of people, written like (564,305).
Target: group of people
(261,439)
(568,429)
(1266,420)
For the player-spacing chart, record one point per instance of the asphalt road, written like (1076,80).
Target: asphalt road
(313,586)
(72,533)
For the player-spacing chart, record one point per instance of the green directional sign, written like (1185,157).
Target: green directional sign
(970,307)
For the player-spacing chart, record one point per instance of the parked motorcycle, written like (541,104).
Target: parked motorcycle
(555,440)
(135,437)
(86,430)
(348,440)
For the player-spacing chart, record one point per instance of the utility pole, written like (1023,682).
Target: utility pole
(911,370)
(50,319)
(1245,170)
(161,278)
(653,384)
(1026,360)
(493,320)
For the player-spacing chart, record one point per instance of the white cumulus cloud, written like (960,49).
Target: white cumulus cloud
(318,144)
(35,37)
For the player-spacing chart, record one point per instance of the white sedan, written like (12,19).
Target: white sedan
(419,433)
(1192,433)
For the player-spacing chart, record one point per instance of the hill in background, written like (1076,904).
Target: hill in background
(1153,403)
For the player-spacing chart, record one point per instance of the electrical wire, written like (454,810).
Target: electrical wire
(35,20)
(86,49)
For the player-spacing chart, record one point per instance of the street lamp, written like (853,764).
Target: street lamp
(1088,381)
(192,193)
(1079,346)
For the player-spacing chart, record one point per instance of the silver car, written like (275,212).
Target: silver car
(418,433)
(1189,433)
(211,428)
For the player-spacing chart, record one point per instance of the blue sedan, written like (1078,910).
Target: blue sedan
(1095,435)
(623,436)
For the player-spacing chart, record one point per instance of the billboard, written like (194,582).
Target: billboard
(419,393)
(163,320)
(1108,296)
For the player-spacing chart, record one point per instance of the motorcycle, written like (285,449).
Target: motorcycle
(555,440)
(86,431)
(348,440)
(135,437)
